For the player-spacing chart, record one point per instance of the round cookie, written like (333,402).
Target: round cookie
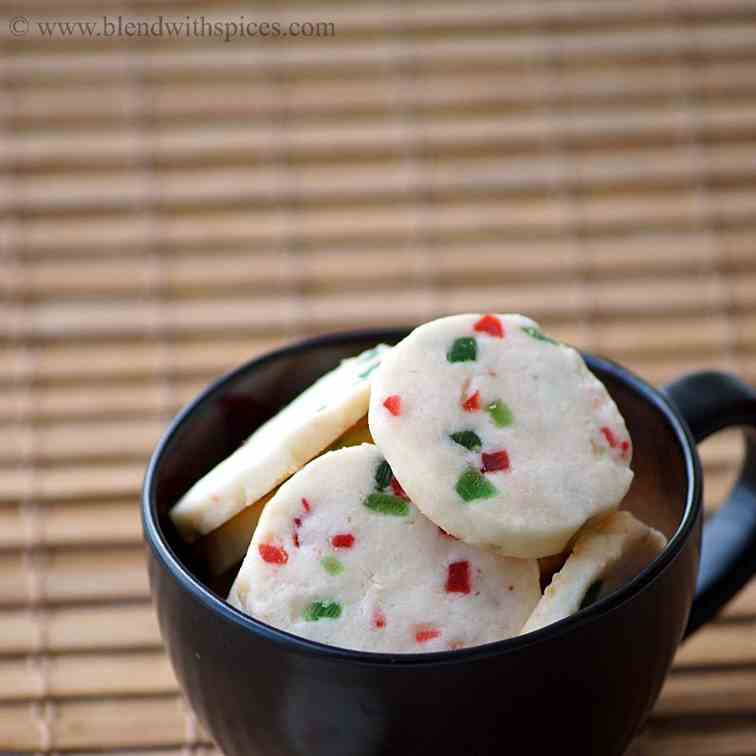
(605,556)
(280,447)
(501,435)
(341,556)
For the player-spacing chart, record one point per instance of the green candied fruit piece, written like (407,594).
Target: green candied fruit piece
(469,439)
(500,413)
(332,565)
(322,610)
(472,485)
(592,594)
(387,504)
(370,353)
(464,349)
(367,372)
(535,333)
(383,475)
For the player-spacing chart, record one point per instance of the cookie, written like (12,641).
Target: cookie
(605,556)
(343,557)
(226,546)
(280,447)
(501,435)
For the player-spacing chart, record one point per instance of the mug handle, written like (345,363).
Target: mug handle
(708,402)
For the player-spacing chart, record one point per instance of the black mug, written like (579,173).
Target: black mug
(582,685)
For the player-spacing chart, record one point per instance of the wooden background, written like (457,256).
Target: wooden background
(169,208)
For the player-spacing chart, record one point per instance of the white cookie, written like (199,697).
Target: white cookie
(606,555)
(500,435)
(280,447)
(227,545)
(341,556)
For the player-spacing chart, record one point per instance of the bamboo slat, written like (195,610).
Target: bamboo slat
(663,42)
(143,673)
(70,628)
(186,276)
(112,723)
(61,402)
(110,575)
(71,482)
(67,525)
(78,628)
(65,365)
(743,605)
(429,92)
(21,729)
(719,645)
(689,294)
(391,181)
(708,693)
(722,738)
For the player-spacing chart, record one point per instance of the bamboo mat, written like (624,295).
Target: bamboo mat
(170,208)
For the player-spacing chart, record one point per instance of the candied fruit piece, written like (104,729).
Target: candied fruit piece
(469,439)
(393,404)
(318,610)
(387,504)
(537,334)
(383,475)
(332,565)
(464,349)
(458,577)
(342,541)
(491,325)
(494,461)
(427,634)
(472,403)
(273,554)
(500,413)
(472,485)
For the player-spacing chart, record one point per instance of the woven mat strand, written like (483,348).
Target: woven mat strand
(170,208)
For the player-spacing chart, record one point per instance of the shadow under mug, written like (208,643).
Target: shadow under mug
(585,684)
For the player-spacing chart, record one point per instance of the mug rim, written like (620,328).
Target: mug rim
(162,550)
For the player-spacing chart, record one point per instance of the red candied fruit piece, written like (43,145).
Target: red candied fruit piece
(444,534)
(379,619)
(342,541)
(491,325)
(458,577)
(397,489)
(472,403)
(305,505)
(611,439)
(494,461)
(427,634)
(393,404)
(295,535)
(273,554)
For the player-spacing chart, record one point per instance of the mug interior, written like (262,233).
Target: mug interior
(223,416)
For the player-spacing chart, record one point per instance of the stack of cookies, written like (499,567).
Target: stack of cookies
(457,489)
